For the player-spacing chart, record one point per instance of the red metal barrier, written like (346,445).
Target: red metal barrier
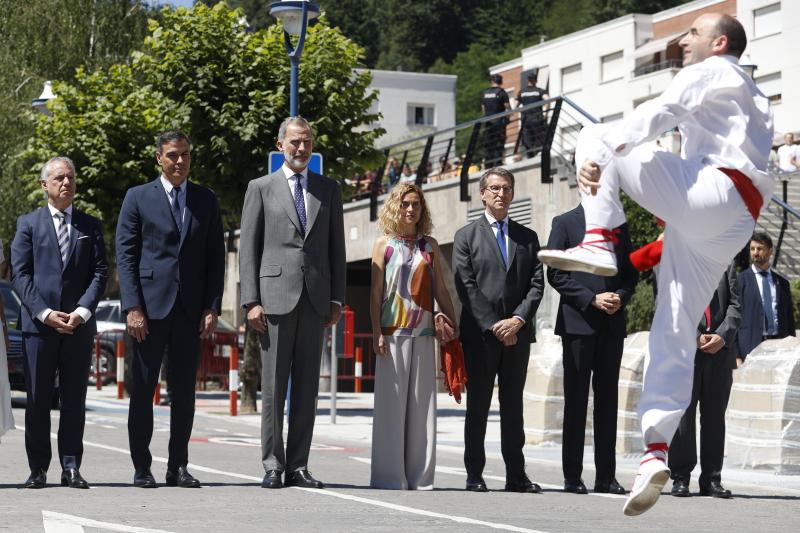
(349,331)
(358,370)
(98,378)
(157,392)
(120,369)
(233,380)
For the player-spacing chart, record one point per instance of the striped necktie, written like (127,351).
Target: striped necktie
(300,203)
(63,236)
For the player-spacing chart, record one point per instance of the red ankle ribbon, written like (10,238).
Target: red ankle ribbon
(609,235)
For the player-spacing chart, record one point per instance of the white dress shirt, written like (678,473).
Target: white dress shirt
(495,229)
(83,312)
(772,289)
(723,118)
(785,155)
(181,195)
(289,173)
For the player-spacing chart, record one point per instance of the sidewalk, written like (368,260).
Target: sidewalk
(354,424)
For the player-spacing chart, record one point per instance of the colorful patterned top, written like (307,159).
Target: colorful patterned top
(407,308)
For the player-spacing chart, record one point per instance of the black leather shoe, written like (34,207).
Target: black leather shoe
(302,478)
(715,490)
(71,478)
(609,487)
(272,480)
(523,484)
(37,479)
(182,478)
(144,479)
(575,486)
(476,484)
(680,488)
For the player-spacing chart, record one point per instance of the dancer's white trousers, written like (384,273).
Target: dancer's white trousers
(707,223)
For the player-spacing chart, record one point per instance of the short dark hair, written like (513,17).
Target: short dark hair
(496,171)
(533,76)
(169,136)
(496,78)
(761,237)
(733,30)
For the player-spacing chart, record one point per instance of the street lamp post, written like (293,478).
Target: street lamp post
(295,15)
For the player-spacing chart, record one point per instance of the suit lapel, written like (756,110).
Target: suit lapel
(76,230)
(512,242)
(158,198)
(280,191)
(49,228)
(491,241)
(188,210)
(313,199)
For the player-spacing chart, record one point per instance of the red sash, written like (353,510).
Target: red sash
(752,198)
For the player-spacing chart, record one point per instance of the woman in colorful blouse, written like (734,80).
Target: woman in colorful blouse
(406,278)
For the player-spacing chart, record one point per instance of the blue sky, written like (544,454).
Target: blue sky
(185,3)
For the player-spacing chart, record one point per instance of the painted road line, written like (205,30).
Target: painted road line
(65,523)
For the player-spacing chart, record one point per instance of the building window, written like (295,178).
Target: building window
(770,85)
(571,79)
(611,67)
(420,115)
(767,20)
(611,118)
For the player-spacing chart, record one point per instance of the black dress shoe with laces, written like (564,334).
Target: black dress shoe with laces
(680,488)
(70,477)
(272,480)
(144,479)
(715,490)
(609,487)
(181,478)
(37,479)
(302,478)
(522,484)
(476,484)
(575,486)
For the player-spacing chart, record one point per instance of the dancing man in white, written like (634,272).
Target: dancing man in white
(709,197)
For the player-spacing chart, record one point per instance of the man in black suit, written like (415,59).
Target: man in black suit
(59,269)
(499,281)
(591,323)
(765,314)
(170,257)
(713,377)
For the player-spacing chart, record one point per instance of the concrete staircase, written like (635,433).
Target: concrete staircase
(772,218)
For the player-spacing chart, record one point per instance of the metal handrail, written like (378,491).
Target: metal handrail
(655,67)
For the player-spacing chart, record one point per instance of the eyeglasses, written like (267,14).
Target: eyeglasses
(498,189)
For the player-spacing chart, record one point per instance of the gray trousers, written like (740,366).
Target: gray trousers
(292,346)
(404,418)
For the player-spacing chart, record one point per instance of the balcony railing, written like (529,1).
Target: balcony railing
(655,67)
(547,129)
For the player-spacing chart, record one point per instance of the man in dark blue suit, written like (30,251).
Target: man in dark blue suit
(765,315)
(170,257)
(591,323)
(59,269)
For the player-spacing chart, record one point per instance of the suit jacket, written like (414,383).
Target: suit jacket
(489,291)
(752,328)
(725,312)
(276,261)
(154,260)
(43,282)
(576,314)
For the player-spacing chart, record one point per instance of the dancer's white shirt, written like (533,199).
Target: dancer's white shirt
(723,118)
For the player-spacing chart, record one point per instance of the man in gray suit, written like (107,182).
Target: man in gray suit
(499,281)
(292,272)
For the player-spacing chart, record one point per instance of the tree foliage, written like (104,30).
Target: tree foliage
(200,70)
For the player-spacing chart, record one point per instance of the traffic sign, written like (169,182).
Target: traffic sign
(276,161)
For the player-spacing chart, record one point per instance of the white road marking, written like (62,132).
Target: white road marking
(331,493)
(64,523)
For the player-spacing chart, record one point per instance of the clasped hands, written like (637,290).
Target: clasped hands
(608,302)
(710,343)
(506,330)
(64,323)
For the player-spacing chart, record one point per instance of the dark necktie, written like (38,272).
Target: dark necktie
(766,300)
(501,242)
(300,203)
(63,236)
(176,208)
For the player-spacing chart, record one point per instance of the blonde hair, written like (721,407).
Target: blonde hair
(389,216)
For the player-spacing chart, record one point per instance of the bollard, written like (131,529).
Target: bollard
(98,379)
(233,380)
(120,369)
(358,369)
(157,393)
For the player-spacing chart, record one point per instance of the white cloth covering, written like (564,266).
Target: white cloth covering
(724,121)
(6,416)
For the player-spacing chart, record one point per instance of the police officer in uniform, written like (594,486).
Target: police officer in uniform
(494,100)
(532,120)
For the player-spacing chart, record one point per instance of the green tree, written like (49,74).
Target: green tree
(202,71)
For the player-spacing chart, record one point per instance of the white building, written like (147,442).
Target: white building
(413,103)
(610,68)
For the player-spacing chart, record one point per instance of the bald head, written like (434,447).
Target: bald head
(713,34)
